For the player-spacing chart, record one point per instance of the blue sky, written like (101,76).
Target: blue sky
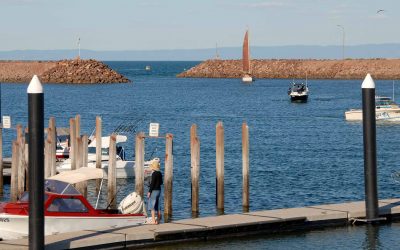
(190,24)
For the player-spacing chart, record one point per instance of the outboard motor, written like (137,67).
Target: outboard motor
(131,204)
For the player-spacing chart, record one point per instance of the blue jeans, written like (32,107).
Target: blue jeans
(154,200)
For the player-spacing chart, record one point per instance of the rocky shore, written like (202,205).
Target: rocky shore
(287,69)
(65,71)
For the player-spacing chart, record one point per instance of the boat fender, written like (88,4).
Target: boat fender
(131,204)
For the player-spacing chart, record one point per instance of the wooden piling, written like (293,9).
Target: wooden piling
(84,161)
(26,164)
(112,174)
(19,132)
(78,125)
(53,146)
(195,169)
(14,172)
(77,135)
(139,164)
(21,161)
(168,177)
(21,167)
(72,137)
(47,155)
(79,162)
(1,161)
(98,148)
(78,152)
(245,169)
(219,148)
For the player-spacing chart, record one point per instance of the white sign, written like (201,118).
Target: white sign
(6,121)
(153,130)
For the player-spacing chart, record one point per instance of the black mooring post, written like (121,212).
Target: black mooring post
(369,135)
(36,164)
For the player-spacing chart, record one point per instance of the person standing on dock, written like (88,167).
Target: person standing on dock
(155,192)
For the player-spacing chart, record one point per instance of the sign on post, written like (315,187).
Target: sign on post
(6,121)
(153,130)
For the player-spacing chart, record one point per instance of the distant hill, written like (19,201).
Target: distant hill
(271,52)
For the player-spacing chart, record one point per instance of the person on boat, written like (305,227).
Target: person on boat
(155,192)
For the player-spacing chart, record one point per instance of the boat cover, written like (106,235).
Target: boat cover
(105,141)
(79,175)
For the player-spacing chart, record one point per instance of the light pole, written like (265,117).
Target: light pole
(344,34)
(79,47)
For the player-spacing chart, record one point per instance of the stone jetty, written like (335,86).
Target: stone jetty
(65,71)
(299,69)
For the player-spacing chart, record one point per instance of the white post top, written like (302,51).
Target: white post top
(35,87)
(368,82)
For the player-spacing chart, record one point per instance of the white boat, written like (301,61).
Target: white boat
(385,110)
(298,92)
(247,78)
(62,149)
(66,210)
(125,168)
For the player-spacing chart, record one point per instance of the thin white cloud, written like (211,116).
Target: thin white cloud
(269,4)
(149,3)
(16,2)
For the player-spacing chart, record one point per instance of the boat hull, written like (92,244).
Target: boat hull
(299,98)
(247,79)
(380,115)
(124,169)
(16,226)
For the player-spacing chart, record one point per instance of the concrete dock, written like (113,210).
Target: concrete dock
(208,228)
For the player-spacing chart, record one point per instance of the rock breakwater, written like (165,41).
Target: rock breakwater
(65,71)
(287,69)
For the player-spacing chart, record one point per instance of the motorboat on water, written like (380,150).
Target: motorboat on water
(125,168)
(298,92)
(385,110)
(67,210)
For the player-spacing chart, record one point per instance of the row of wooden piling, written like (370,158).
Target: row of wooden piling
(219,163)
(79,154)
(195,169)
(19,162)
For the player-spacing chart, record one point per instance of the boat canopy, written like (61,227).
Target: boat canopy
(59,131)
(105,141)
(78,175)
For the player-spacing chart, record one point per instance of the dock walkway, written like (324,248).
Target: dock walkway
(259,222)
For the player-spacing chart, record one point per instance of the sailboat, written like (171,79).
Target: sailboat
(246,59)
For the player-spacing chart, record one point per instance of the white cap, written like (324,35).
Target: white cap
(368,82)
(35,87)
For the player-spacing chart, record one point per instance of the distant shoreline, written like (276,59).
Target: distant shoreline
(299,68)
(64,71)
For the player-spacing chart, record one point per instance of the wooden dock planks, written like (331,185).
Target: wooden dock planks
(268,221)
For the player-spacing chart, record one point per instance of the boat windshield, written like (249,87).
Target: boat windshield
(104,151)
(92,150)
(59,187)
(53,186)
(383,101)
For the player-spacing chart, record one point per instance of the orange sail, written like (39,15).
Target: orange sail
(246,54)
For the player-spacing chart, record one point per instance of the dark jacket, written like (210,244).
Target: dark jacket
(156,181)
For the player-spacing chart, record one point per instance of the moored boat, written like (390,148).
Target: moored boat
(124,168)
(385,110)
(298,92)
(67,210)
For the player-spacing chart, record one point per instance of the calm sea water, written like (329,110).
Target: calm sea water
(300,153)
